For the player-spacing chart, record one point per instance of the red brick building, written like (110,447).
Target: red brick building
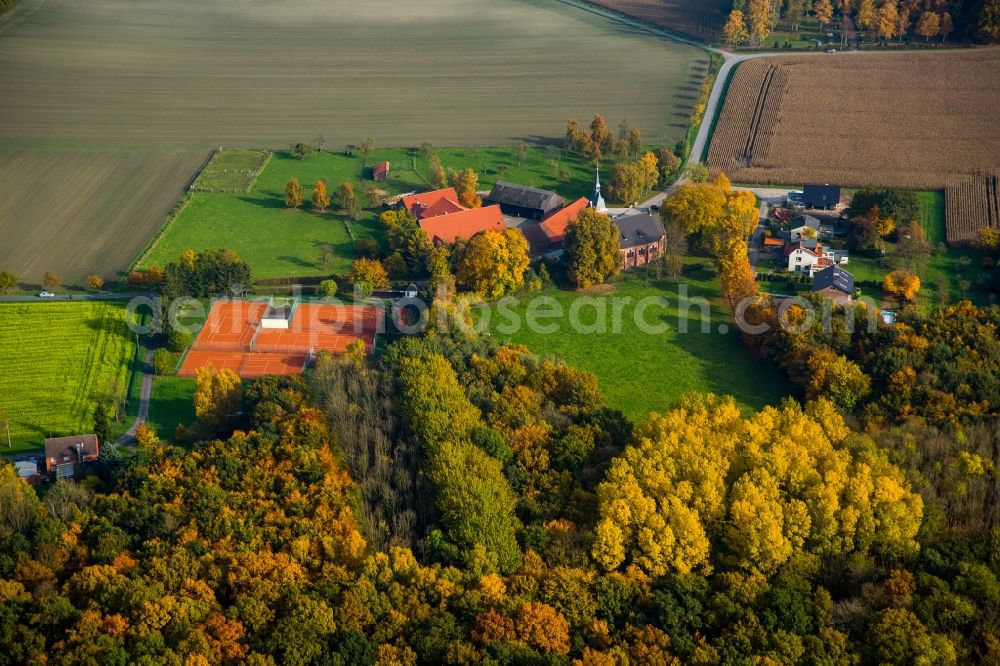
(641,239)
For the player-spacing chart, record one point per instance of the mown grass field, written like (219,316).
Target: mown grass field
(279,242)
(641,372)
(58,361)
(109,107)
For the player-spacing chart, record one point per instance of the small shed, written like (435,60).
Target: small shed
(410,291)
(380,171)
(27,471)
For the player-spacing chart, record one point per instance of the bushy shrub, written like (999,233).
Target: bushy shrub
(178,340)
(327,288)
(163,361)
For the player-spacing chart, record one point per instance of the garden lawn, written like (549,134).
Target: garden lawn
(58,361)
(282,242)
(639,372)
(171,404)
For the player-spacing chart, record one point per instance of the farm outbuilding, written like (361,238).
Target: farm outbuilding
(445,229)
(235,336)
(554,226)
(522,201)
(380,171)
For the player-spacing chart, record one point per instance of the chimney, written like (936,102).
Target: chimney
(79,451)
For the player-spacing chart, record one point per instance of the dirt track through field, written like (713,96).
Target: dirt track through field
(160,84)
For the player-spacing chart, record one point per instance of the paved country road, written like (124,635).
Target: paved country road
(72,297)
(145,392)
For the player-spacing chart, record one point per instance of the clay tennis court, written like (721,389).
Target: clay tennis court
(254,338)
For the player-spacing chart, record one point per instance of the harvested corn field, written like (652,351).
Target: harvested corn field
(912,120)
(755,95)
(922,121)
(972,204)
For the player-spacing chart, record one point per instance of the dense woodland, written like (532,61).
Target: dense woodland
(462,502)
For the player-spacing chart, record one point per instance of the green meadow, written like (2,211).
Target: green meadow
(640,372)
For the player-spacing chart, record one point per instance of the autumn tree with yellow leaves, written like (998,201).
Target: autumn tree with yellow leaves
(591,245)
(902,284)
(492,263)
(217,397)
(735,31)
(703,486)
(320,196)
(466,182)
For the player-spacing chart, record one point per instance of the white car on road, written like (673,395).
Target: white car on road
(46,294)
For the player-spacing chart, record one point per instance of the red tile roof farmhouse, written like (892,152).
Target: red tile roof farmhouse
(466,224)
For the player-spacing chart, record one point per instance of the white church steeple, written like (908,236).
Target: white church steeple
(598,201)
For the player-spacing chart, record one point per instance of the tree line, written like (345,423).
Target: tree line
(754,20)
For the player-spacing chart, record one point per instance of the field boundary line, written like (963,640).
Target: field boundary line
(174,213)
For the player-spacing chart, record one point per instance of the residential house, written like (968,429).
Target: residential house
(641,239)
(445,229)
(380,171)
(64,454)
(821,197)
(835,283)
(806,256)
(803,226)
(522,201)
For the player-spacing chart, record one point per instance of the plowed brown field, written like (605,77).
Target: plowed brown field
(701,18)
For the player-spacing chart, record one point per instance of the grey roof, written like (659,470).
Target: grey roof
(804,221)
(638,229)
(525,197)
(835,277)
(820,196)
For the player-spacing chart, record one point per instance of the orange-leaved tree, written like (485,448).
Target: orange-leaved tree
(903,284)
